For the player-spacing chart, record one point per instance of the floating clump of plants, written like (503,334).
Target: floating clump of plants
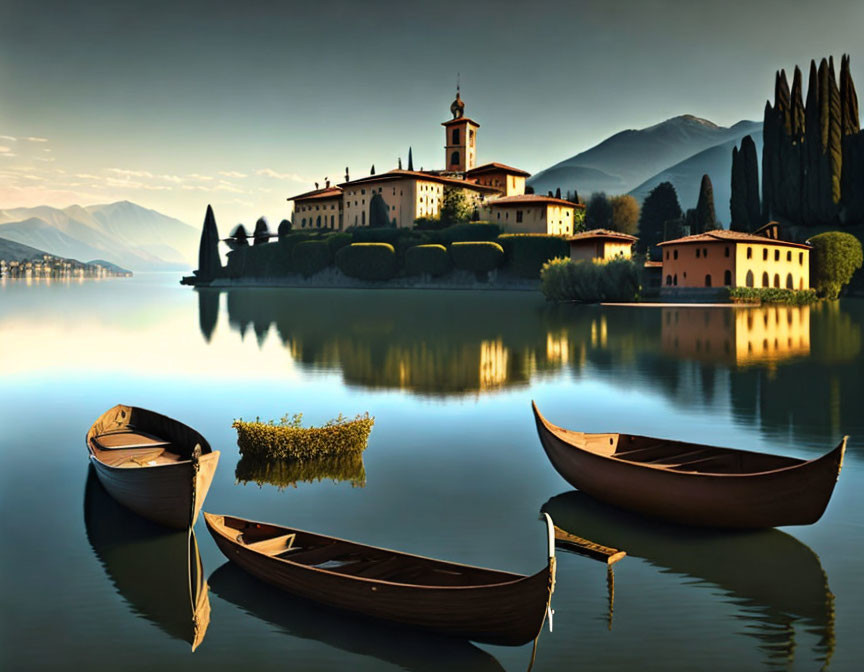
(347,467)
(289,440)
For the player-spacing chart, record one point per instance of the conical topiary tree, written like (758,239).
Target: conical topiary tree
(379,213)
(706,219)
(239,237)
(284,228)
(262,231)
(410,160)
(209,263)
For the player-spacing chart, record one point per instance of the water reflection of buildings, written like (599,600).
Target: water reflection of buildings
(775,583)
(158,572)
(741,336)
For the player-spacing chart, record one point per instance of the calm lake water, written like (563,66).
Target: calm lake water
(454,469)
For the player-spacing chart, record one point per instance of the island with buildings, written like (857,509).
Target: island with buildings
(48,266)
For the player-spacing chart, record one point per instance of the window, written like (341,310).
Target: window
(456,136)
(749,252)
(776,255)
(303,223)
(790,284)
(777,280)
(800,258)
(765,282)
(675,279)
(749,280)
(318,222)
(704,251)
(518,216)
(667,257)
(708,280)
(727,276)
(675,254)
(765,255)
(727,251)
(697,252)
(454,158)
(668,282)
(363,191)
(789,255)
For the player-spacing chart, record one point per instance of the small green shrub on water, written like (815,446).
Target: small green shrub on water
(367,261)
(288,473)
(427,260)
(793,297)
(590,281)
(527,252)
(479,257)
(290,440)
(310,257)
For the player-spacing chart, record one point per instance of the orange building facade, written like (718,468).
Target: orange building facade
(733,259)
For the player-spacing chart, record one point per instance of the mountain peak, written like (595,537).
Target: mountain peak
(685,119)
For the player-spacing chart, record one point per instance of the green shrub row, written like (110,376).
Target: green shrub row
(311,256)
(288,439)
(590,281)
(427,260)
(526,253)
(795,297)
(477,256)
(367,261)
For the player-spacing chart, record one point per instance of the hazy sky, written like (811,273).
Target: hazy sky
(178,104)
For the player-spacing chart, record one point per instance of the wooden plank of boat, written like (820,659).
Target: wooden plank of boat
(587,548)
(156,466)
(463,601)
(690,483)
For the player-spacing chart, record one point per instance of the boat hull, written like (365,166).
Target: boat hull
(511,613)
(163,493)
(792,496)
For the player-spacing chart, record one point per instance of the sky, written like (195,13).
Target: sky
(174,105)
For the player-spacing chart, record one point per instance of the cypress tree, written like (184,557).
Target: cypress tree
(691,222)
(262,232)
(598,213)
(848,99)
(835,137)
(750,167)
(769,155)
(810,151)
(558,192)
(660,206)
(379,213)
(410,160)
(284,228)
(738,199)
(209,263)
(706,218)
(372,169)
(797,107)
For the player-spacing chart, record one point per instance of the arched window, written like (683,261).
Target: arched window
(708,280)
(697,252)
(800,258)
(456,136)
(776,255)
(749,252)
(790,284)
(363,218)
(668,280)
(789,255)
(749,280)
(303,223)
(675,254)
(765,281)
(318,222)
(454,158)
(727,278)
(675,279)
(777,280)
(765,255)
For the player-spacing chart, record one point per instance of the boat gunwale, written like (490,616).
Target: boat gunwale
(151,466)
(218,528)
(551,428)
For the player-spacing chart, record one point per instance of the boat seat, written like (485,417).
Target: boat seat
(128,438)
(133,457)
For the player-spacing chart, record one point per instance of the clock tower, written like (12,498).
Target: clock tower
(460,139)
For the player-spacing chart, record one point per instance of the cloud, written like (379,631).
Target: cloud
(8,154)
(228,173)
(35,139)
(88,176)
(9,138)
(129,173)
(131,184)
(47,150)
(5,149)
(196,176)
(48,159)
(195,187)
(293,177)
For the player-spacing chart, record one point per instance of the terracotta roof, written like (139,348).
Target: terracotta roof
(326,192)
(495,167)
(724,235)
(417,175)
(603,233)
(532,199)
(450,122)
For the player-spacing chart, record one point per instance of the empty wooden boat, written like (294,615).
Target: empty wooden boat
(692,483)
(473,603)
(154,465)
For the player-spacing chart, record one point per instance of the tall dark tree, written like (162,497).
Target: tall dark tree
(239,237)
(529,189)
(410,160)
(558,192)
(262,232)
(209,263)
(400,163)
(659,207)
(598,212)
(744,202)
(372,169)
(691,223)
(284,228)
(706,219)
(379,213)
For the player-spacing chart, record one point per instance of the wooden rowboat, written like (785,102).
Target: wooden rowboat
(473,603)
(154,465)
(692,483)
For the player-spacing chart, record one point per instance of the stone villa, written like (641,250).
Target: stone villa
(496,190)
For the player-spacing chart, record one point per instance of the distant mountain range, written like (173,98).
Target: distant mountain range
(679,150)
(121,233)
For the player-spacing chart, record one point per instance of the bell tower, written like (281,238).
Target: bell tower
(460,138)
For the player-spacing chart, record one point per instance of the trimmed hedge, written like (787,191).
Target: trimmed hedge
(427,260)
(367,261)
(381,235)
(337,241)
(311,256)
(794,297)
(477,256)
(473,231)
(589,281)
(290,440)
(527,252)
(835,258)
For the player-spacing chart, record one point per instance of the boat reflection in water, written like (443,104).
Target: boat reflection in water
(774,580)
(287,473)
(737,336)
(157,571)
(406,648)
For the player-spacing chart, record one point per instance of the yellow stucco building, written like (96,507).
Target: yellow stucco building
(733,259)
(495,190)
(601,244)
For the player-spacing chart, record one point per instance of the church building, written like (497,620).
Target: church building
(495,190)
